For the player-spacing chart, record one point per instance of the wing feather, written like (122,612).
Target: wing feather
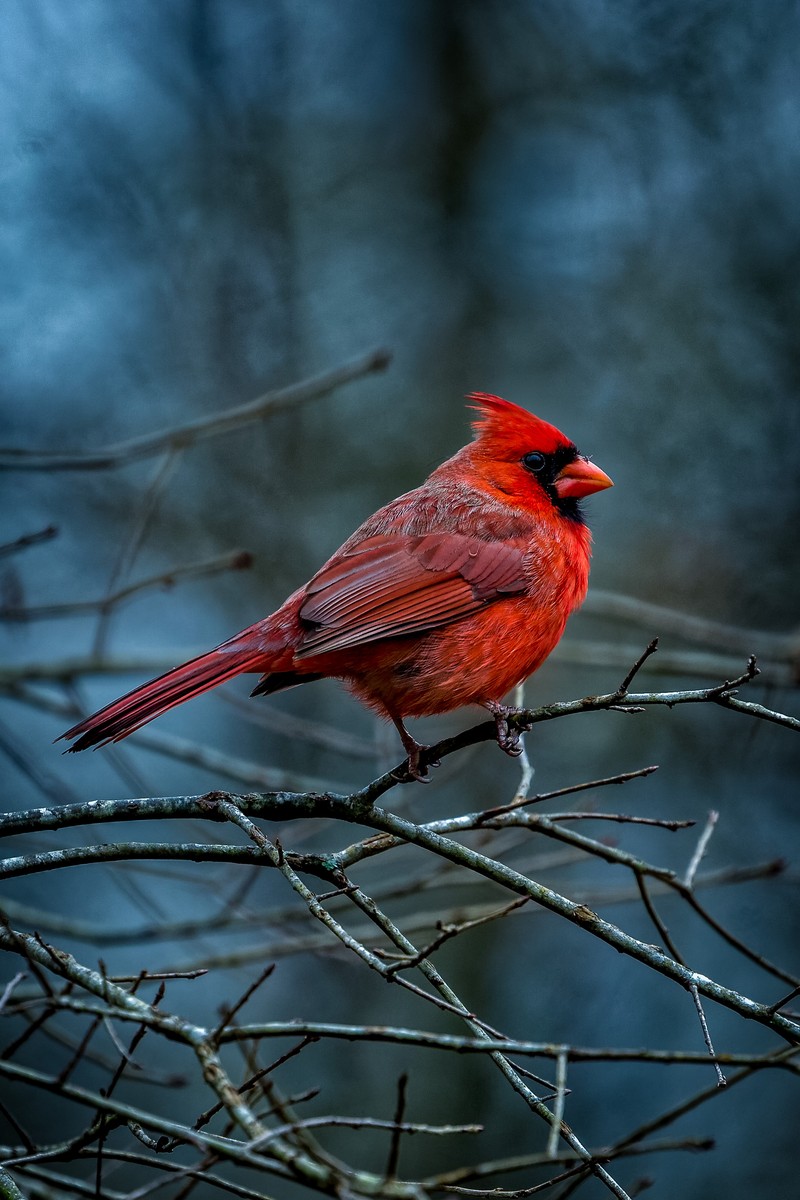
(392,585)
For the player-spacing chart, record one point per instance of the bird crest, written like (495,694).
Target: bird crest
(505,431)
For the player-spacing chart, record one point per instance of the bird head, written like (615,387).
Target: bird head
(528,459)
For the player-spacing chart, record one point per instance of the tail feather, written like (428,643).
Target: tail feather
(151,699)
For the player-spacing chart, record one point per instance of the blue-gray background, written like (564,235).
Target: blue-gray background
(589,207)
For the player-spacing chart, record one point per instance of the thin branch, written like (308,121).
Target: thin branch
(484,1032)
(648,651)
(352,809)
(526,801)
(8,990)
(700,849)
(225,1147)
(234,560)
(721,1080)
(732,940)
(623,819)
(336,1121)
(56,860)
(632,611)
(560,1101)
(309,732)
(248,993)
(651,911)
(176,1028)
(723,694)
(275,857)
(256,1078)
(399,1113)
(453,1043)
(784,1000)
(183,436)
(585,918)
(129,547)
(586,652)
(28,539)
(448,931)
(57,1182)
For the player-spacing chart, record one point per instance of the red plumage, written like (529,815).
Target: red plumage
(449,595)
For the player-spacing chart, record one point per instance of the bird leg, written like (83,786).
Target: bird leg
(507,736)
(417,769)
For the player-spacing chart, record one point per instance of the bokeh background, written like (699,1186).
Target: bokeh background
(587,206)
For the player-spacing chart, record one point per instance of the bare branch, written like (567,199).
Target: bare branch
(183,436)
(28,539)
(632,611)
(234,560)
(700,849)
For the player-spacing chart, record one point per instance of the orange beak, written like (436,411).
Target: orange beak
(581,478)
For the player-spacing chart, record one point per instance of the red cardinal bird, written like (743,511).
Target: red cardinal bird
(450,595)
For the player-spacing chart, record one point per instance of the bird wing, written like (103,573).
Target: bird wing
(397,584)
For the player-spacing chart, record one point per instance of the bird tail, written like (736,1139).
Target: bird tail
(151,699)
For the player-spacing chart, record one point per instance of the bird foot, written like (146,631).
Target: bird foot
(415,769)
(508,736)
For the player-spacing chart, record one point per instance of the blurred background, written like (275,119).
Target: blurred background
(587,207)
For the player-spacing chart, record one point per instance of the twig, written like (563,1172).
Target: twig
(700,849)
(655,918)
(130,546)
(9,988)
(448,931)
(275,856)
(664,1119)
(781,671)
(623,819)
(784,1000)
(519,1193)
(649,650)
(399,1113)
(234,560)
(335,1121)
(290,725)
(183,436)
(55,860)
(56,790)
(65,965)
(732,940)
(235,1151)
(27,1141)
(249,1084)
(583,917)
(620,700)
(525,801)
(28,539)
(631,610)
(560,1102)
(484,1032)
(456,1044)
(80,1050)
(448,1180)
(721,1080)
(248,993)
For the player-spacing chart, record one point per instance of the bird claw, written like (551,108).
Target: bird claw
(416,767)
(508,737)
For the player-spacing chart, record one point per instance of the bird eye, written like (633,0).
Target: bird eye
(534,461)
